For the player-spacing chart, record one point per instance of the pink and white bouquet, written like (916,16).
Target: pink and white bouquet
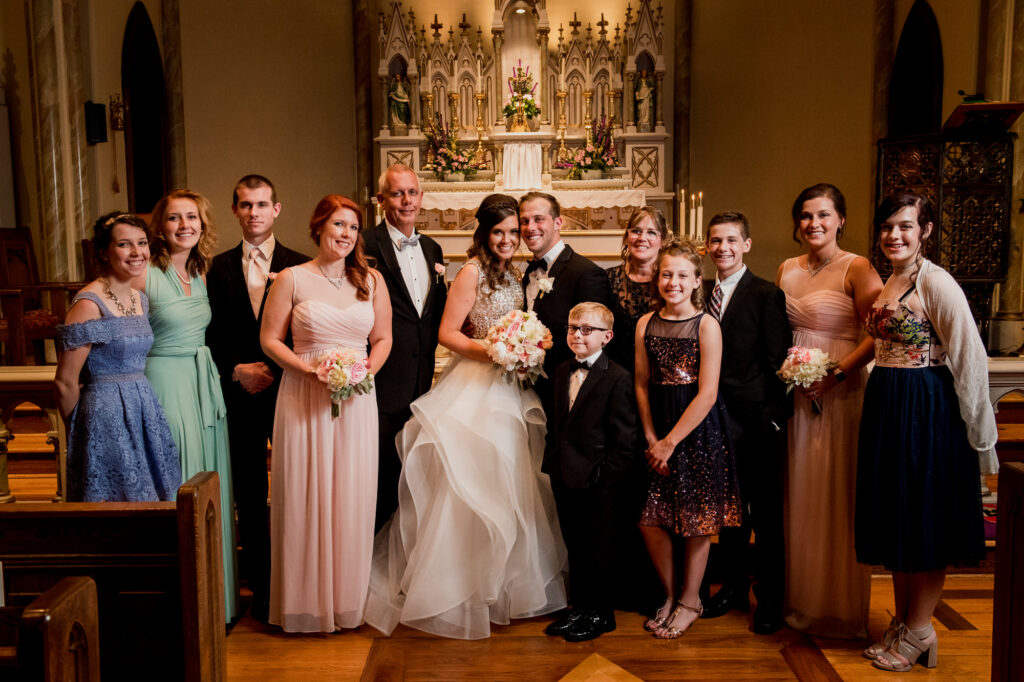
(517,344)
(804,366)
(346,374)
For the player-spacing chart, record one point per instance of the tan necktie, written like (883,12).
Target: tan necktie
(255,280)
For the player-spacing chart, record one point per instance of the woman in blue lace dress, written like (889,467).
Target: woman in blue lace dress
(119,445)
(926,432)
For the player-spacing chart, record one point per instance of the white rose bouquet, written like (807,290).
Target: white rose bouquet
(517,344)
(346,374)
(804,366)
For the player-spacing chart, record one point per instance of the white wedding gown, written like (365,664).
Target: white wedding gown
(475,539)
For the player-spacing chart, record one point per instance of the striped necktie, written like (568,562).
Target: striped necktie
(715,305)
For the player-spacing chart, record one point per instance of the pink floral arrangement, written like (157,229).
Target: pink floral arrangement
(517,344)
(346,374)
(803,367)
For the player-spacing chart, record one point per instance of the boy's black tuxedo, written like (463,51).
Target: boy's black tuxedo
(756,336)
(409,369)
(234,338)
(589,448)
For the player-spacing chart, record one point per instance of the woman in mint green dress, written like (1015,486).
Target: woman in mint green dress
(179,365)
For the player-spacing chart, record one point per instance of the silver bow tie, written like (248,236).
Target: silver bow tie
(408,241)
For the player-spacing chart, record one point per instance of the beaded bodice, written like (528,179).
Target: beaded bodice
(493,304)
(673,350)
(903,338)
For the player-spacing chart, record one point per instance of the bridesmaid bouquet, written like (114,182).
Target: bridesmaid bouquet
(517,344)
(804,366)
(346,374)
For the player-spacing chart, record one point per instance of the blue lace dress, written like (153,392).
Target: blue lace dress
(918,481)
(119,445)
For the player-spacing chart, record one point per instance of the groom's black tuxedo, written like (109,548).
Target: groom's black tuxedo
(234,338)
(576,279)
(755,338)
(409,369)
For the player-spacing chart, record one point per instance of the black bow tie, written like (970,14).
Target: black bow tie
(578,364)
(536,264)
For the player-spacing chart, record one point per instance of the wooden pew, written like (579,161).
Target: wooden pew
(55,638)
(1008,603)
(158,570)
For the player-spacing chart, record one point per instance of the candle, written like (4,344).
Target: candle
(681,227)
(699,227)
(692,232)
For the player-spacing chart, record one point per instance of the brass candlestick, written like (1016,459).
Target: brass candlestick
(589,124)
(479,156)
(563,153)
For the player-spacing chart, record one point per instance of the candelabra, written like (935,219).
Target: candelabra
(453,120)
(480,156)
(563,153)
(589,123)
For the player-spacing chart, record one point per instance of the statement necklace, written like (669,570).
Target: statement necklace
(113,297)
(336,282)
(821,266)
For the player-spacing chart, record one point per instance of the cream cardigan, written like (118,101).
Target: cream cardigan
(946,306)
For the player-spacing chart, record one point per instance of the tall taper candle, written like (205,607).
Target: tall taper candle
(700,216)
(681,227)
(692,232)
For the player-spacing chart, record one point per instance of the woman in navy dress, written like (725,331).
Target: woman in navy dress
(927,419)
(119,445)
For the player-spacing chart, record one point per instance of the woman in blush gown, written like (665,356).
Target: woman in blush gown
(324,470)
(475,540)
(829,293)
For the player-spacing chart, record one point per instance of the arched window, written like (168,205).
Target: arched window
(915,92)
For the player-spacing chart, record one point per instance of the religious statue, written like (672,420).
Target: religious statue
(644,94)
(400,114)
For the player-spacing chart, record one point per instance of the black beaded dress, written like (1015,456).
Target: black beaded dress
(630,301)
(700,494)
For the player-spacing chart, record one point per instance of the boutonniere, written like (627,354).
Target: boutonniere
(271,276)
(439,271)
(544,285)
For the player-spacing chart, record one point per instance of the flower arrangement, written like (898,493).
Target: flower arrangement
(443,152)
(597,154)
(346,374)
(522,89)
(804,366)
(517,345)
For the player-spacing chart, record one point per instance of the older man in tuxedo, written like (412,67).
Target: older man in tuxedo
(556,279)
(413,268)
(237,283)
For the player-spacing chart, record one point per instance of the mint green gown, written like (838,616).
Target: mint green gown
(186,382)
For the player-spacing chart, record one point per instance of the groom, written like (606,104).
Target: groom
(413,268)
(556,279)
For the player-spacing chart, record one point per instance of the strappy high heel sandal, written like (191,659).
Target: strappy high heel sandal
(658,622)
(910,645)
(876,649)
(671,631)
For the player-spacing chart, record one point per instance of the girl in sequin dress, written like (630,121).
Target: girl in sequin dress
(475,540)
(692,487)
(926,417)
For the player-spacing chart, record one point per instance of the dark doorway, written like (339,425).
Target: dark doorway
(145,124)
(915,93)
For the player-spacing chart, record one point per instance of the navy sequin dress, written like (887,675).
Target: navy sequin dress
(700,494)
(918,481)
(119,445)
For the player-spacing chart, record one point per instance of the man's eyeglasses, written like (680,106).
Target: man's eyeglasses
(584,329)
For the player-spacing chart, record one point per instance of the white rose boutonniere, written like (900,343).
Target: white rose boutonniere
(544,285)
(439,273)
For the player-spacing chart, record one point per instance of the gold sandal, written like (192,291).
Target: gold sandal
(658,622)
(910,647)
(671,631)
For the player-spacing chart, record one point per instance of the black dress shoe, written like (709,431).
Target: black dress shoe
(562,625)
(767,621)
(590,625)
(724,601)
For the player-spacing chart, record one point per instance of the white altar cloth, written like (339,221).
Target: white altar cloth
(522,165)
(434,200)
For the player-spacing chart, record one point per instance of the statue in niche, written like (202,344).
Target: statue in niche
(399,112)
(644,95)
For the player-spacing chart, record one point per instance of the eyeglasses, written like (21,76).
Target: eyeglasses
(584,329)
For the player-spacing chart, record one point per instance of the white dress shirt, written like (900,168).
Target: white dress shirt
(531,285)
(414,267)
(728,286)
(577,378)
(256,270)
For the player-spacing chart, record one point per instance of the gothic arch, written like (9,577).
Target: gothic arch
(915,92)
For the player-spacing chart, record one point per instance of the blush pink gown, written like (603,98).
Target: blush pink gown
(324,471)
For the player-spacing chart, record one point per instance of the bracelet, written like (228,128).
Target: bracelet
(839,374)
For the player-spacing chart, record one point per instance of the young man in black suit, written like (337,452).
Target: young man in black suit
(590,444)
(556,279)
(413,268)
(755,338)
(237,283)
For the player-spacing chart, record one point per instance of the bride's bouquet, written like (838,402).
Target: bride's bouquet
(804,366)
(346,374)
(517,344)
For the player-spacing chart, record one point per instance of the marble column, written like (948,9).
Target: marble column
(1004,80)
(629,99)
(497,36)
(414,103)
(170,33)
(542,41)
(659,98)
(884,51)
(78,195)
(681,82)
(364,32)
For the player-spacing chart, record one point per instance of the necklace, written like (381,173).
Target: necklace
(186,282)
(113,297)
(901,268)
(821,266)
(336,282)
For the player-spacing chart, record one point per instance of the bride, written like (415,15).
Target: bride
(475,539)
